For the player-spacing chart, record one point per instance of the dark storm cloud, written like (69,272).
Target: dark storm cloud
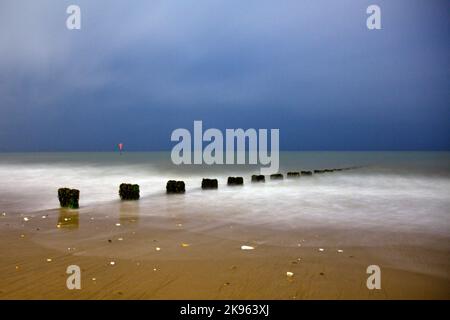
(137,70)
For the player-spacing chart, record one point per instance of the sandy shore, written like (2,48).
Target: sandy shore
(178,257)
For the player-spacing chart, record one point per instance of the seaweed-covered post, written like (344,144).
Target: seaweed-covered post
(258,178)
(209,183)
(235,181)
(293,174)
(129,191)
(68,198)
(276,176)
(173,186)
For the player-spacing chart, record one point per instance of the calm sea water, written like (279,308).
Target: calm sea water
(397,190)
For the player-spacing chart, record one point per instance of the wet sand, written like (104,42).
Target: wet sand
(183,257)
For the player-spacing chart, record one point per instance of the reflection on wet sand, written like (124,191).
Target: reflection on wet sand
(129,211)
(68,219)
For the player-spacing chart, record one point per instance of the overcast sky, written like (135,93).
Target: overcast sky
(137,70)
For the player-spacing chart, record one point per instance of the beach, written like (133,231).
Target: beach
(311,238)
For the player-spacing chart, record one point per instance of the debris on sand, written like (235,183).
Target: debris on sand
(158,249)
(247,248)
(321,249)
(184,245)
(26,219)
(289,274)
(340,250)
(112,263)
(49,260)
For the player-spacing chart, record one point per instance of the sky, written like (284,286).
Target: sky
(137,70)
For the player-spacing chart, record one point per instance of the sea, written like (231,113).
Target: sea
(398,191)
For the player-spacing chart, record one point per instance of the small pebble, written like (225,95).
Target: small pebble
(49,260)
(26,219)
(247,248)
(321,250)
(158,249)
(340,251)
(289,274)
(112,263)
